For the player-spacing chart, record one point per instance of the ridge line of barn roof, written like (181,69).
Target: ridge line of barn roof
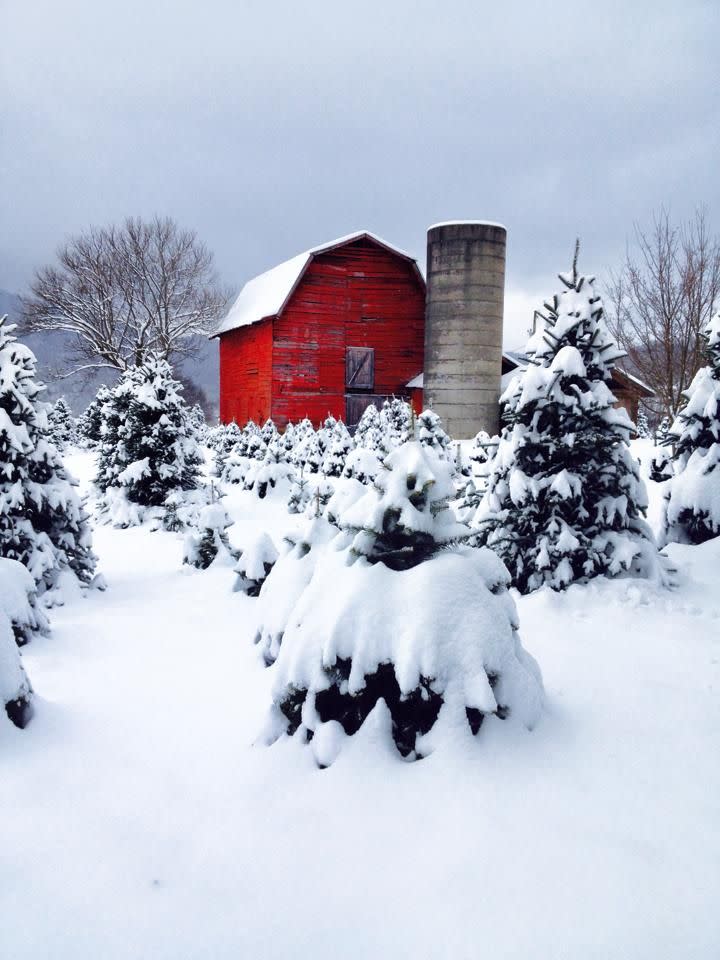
(266,294)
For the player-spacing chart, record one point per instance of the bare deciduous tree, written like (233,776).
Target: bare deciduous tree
(659,302)
(124,292)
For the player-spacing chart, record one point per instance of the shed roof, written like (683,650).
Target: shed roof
(267,294)
(520,360)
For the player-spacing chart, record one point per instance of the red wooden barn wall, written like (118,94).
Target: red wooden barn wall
(246,373)
(357,295)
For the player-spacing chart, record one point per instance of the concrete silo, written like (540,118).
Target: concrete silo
(463,324)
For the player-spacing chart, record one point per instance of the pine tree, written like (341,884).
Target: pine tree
(269,432)
(61,424)
(288,440)
(417,622)
(148,448)
(661,466)
(254,565)
(300,550)
(339,444)
(395,423)
(565,501)
(19,600)
(369,431)
(42,520)
(429,431)
(299,492)
(325,434)
(272,470)
(196,416)
(406,520)
(209,542)
(362,464)
(307,454)
(20,619)
(692,507)
(642,427)
(91,421)
(662,432)
(252,445)
(228,438)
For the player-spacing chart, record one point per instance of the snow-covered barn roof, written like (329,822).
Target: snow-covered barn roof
(267,294)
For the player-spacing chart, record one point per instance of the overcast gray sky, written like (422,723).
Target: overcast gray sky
(272,126)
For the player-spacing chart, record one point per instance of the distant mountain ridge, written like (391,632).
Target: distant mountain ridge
(53,351)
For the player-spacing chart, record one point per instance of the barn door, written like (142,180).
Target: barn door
(357,403)
(360,368)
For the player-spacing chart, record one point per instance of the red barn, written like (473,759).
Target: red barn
(330,331)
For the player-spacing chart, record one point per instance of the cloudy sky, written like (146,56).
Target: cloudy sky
(272,126)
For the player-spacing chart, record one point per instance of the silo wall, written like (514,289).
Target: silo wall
(463,325)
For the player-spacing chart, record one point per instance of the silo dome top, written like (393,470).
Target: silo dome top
(468,223)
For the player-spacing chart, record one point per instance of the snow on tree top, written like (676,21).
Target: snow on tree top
(266,295)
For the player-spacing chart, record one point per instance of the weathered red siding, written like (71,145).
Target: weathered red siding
(246,373)
(358,295)
(416,399)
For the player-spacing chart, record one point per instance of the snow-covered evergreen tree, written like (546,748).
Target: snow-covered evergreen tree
(307,454)
(325,434)
(16,592)
(209,542)
(269,432)
(369,431)
(196,416)
(228,438)
(661,466)
(254,565)
(19,602)
(299,492)
(148,448)
(61,424)
(565,501)
(443,651)
(272,470)
(482,452)
(252,445)
(662,432)
(642,427)
(300,551)
(362,464)
(288,440)
(90,422)
(429,431)
(692,508)
(395,423)
(42,520)
(338,445)
(405,519)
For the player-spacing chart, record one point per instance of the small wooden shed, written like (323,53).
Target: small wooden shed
(329,331)
(629,391)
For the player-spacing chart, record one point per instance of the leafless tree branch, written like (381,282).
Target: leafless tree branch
(660,300)
(127,291)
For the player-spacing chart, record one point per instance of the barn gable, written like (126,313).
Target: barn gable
(268,294)
(345,328)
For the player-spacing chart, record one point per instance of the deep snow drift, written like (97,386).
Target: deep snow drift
(138,819)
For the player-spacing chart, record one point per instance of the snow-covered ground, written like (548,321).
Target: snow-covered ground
(137,819)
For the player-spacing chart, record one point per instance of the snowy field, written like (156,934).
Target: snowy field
(137,819)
